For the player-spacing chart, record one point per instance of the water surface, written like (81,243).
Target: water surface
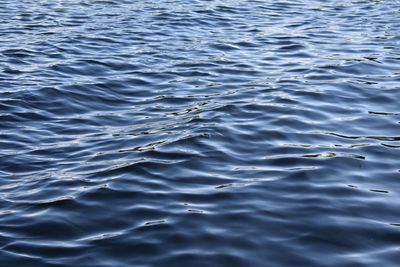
(199,133)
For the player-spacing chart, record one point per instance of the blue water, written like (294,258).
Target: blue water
(199,133)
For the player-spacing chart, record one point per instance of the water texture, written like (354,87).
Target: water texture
(199,133)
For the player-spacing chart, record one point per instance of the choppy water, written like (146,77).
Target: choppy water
(199,133)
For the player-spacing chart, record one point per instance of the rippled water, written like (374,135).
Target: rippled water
(199,133)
